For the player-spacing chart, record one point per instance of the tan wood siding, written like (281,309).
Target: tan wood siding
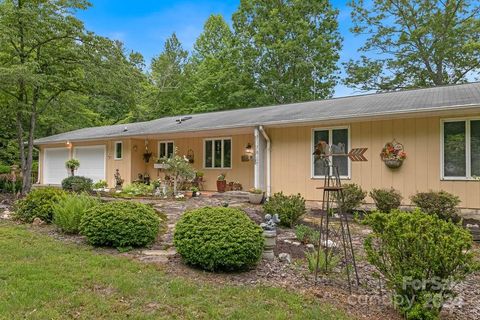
(292,149)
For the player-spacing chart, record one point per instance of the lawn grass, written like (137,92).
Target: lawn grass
(43,278)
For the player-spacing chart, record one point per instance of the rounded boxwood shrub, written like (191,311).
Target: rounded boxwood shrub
(353,196)
(38,203)
(289,208)
(68,213)
(77,184)
(386,200)
(120,224)
(420,256)
(218,239)
(442,204)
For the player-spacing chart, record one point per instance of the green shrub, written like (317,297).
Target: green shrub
(38,203)
(101,184)
(305,234)
(289,208)
(324,264)
(8,185)
(120,224)
(68,213)
(77,184)
(353,197)
(414,248)
(386,200)
(4,169)
(138,189)
(218,239)
(442,204)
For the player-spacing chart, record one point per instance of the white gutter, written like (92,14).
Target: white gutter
(269,178)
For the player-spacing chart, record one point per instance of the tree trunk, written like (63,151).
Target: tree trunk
(27,172)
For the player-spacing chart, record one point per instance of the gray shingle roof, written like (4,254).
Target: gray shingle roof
(392,103)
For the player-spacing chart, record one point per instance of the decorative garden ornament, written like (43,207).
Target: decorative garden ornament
(270,234)
(393,154)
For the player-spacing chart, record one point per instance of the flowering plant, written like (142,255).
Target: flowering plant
(393,151)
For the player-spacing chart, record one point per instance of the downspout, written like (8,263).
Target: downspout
(269,178)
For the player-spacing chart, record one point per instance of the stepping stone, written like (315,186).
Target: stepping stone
(160,253)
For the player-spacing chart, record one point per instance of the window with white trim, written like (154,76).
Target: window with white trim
(217,153)
(118,150)
(166,149)
(461,149)
(339,141)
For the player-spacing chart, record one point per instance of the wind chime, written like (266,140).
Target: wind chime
(333,205)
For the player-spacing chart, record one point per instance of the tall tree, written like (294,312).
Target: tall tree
(214,76)
(290,47)
(166,95)
(45,55)
(415,43)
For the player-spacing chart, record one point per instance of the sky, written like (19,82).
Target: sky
(144,25)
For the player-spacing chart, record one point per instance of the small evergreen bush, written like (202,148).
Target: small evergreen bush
(442,204)
(77,184)
(120,224)
(38,203)
(289,208)
(386,200)
(306,234)
(353,197)
(218,239)
(68,213)
(420,256)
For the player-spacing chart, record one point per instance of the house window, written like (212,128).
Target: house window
(339,141)
(461,149)
(166,149)
(217,153)
(118,150)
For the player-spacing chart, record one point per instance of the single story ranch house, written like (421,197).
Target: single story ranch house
(271,147)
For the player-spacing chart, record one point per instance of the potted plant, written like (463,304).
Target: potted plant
(255,196)
(72,165)
(194,191)
(221,182)
(393,154)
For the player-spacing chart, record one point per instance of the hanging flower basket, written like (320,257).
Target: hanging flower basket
(393,154)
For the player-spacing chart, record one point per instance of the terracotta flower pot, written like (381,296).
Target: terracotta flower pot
(221,185)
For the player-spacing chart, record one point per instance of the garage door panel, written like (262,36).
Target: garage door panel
(54,170)
(92,162)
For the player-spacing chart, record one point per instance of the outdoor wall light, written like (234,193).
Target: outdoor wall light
(248,152)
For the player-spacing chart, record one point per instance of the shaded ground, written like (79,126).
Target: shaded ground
(370,300)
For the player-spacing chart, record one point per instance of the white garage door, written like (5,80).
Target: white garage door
(54,170)
(92,162)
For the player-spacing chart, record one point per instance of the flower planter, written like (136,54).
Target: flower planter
(255,198)
(393,163)
(221,185)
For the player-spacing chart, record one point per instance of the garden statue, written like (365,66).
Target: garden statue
(270,234)
(270,223)
(118,180)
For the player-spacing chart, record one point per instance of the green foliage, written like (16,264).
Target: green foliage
(386,199)
(292,63)
(442,204)
(4,169)
(68,212)
(101,184)
(289,208)
(38,203)
(306,234)
(138,189)
(77,184)
(217,238)
(410,249)
(419,43)
(120,224)
(324,264)
(8,185)
(72,164)
(179,169)
(353,197)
